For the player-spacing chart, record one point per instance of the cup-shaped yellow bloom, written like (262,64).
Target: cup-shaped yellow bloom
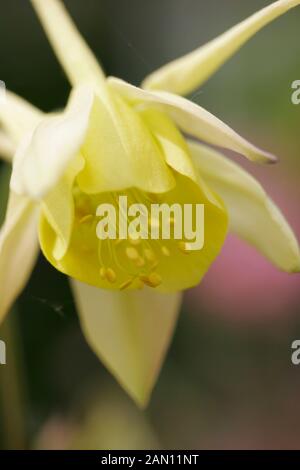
(115,140)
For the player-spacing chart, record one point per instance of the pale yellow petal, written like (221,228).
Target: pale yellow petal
(129,331)
(44,154)
(58,208)
(119,150)
(171,140)
(187,73)
(18,249)
(252,214)
(193,120)
(78,61)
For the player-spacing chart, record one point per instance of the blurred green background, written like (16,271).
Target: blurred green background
(228,381)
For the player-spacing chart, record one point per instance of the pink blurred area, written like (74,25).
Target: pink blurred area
(241,284)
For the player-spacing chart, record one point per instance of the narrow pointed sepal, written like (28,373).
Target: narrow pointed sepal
(252,214)
(18,249)
(193,120)
(7,147)
(75,56)
(18,117)
(189,72)
(130,332)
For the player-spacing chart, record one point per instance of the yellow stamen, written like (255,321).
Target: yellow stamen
(126,284)
(102,273)
(140,262)
(165,251)
(111,275)
(132,253)
(150,255)
(153,280)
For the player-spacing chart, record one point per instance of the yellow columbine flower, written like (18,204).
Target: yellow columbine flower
(114,139)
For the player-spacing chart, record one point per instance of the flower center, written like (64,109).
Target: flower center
(132,261)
